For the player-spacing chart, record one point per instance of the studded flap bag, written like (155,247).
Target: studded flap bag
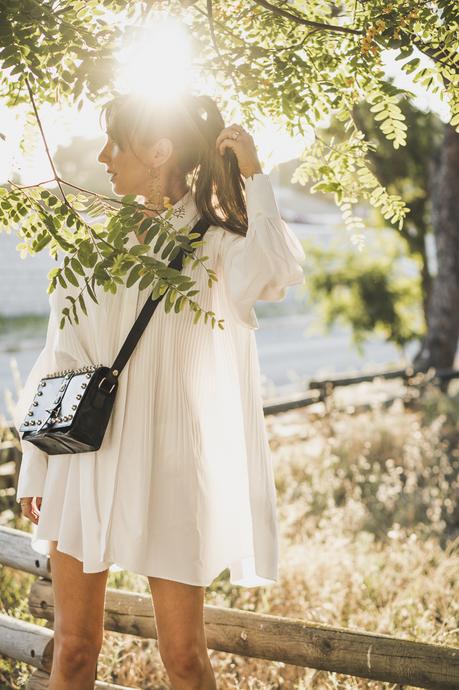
(71,409)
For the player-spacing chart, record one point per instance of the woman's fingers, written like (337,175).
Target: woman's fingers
(29,510)
(243,146)
(227,135)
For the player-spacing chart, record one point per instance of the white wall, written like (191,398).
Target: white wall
(23,282)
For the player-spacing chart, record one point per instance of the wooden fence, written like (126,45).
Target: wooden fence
(291,641)
(10,456)
(321,390)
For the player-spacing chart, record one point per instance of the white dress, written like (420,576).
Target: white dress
(182,486)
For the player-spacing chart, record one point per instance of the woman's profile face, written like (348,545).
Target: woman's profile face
(128,174)
(129,164)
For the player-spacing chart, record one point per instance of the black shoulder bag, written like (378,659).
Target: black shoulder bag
(71,408)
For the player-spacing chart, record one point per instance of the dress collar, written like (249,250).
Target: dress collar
(184,213)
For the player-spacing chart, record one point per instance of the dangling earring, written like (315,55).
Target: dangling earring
(154,199)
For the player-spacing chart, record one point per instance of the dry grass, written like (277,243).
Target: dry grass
(370,534)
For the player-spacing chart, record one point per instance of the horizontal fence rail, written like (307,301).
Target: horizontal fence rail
(292,641)
(40,681)
(26,642)
(16,552)
(409,374)
(319,390)
(33,644)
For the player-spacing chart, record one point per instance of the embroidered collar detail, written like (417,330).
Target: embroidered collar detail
(184,214)
(184,211)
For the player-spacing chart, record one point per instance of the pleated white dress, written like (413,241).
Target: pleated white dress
(182,486)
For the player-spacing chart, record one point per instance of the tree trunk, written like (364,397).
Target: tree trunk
(440,344)
(426,280)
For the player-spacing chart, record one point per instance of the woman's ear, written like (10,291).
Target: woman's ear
(161,151)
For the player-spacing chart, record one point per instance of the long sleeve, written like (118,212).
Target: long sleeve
(261,265)
(34,462)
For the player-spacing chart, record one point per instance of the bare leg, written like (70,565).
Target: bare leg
(79,600)
(179,614)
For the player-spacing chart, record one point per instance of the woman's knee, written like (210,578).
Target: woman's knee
(184,660)
(75,653)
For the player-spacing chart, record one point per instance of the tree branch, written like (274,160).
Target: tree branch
(50,158)
(430,52)
(214,41)
(299,19)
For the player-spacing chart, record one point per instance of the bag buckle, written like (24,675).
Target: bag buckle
(104,378)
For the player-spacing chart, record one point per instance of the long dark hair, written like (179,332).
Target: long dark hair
(216,181)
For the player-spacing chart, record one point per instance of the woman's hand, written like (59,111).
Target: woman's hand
(241,142)
(29,510)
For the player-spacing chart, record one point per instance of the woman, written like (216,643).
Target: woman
(183,485)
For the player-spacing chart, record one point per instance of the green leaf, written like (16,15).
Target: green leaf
(168,300)
(178,304)
(167,249)
(71,276)
(160,241)
(146,280)
(92,294)
(144,225)
(134,275)
(138,249)
(77,267)
(82,304)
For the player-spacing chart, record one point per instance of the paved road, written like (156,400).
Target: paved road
(289,355)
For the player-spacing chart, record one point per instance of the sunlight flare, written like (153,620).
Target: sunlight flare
(156,61)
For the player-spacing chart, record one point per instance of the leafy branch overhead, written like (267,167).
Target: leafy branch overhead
(303,64)
(95,253)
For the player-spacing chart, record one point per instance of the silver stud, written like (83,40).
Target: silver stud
(26,423)
(74,407)
(83,385)
(30,414)
(35,403)
(78,396)
(40,393)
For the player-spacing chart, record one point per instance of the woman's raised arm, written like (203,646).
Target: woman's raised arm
(263,264)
